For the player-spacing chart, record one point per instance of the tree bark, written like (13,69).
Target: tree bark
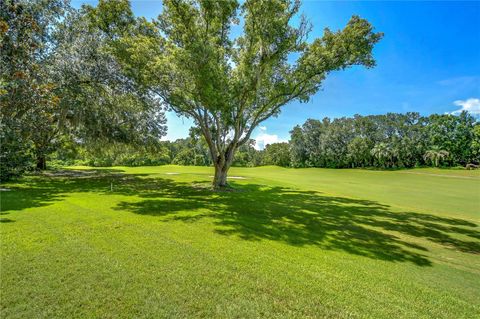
(41,162)
(220,178)
(222,165)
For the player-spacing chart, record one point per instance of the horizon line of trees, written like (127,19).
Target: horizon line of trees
(388,141)
(392,140)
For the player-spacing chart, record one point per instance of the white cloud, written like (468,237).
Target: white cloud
(471,105)
(263,138)
(460,81)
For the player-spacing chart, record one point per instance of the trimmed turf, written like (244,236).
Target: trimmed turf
(146,243)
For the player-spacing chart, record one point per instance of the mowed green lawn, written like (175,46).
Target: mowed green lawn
(153,242)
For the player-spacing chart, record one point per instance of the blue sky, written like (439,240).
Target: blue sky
(428,62)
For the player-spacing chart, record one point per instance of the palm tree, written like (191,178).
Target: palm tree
(435,155)
(382,153)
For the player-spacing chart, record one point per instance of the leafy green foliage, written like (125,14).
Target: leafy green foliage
(475,144)
(276,154)
(454,134)
(27,99)
(15,150)
(247,155)
(298,152)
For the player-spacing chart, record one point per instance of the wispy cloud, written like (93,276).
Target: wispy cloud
(471,105)
(460,80)
(263,138)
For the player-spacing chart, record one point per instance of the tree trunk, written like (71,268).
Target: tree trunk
(41,162)
(222,164)
(220,178)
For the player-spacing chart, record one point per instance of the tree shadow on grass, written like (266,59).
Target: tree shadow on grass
(52,186)
(258,212)
(300,218)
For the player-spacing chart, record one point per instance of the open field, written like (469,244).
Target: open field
(152,242)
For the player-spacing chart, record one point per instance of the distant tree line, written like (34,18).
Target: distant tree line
(387,141)
(384,141)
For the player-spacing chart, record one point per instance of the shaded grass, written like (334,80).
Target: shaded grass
(162,245)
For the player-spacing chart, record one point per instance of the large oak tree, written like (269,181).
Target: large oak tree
(228,85)
(59,81)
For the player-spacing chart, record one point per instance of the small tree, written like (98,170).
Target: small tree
(229,86)
(435,156)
